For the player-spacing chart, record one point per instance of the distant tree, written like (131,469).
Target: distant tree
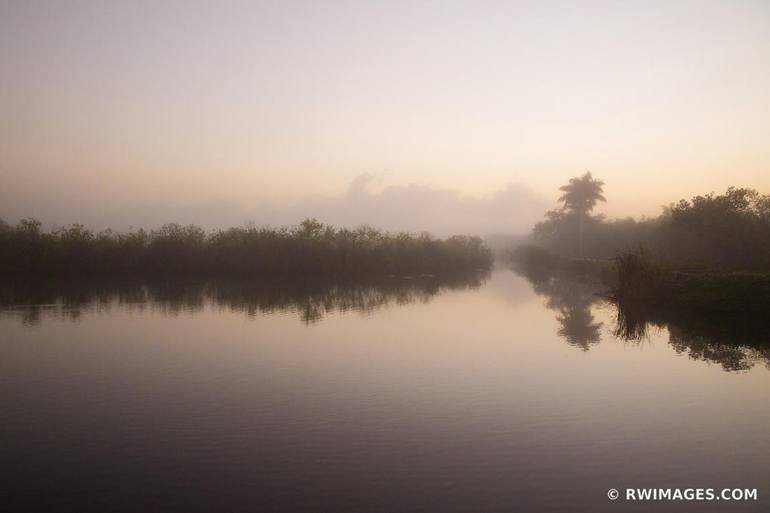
(580,197)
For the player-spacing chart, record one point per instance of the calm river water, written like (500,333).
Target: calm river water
(477,394)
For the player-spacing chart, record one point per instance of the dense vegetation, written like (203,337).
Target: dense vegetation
(703,257)
(729,231)
(641,283)
(309,248)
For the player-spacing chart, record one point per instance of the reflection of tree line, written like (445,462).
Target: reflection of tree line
(736,343)
(311,299)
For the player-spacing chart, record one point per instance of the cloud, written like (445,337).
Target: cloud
(415,208)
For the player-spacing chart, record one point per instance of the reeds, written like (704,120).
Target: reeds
(308,248)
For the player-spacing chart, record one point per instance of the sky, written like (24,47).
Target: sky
(445,116)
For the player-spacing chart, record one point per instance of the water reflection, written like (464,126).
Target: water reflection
(310,299)
(572,299)
(735,343)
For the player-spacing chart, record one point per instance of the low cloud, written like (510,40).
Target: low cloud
(413,208)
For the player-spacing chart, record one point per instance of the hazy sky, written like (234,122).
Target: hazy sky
(430,113)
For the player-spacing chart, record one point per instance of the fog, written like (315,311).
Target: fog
(513,209)
(139,113)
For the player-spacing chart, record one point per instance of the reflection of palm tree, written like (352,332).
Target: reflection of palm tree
(580,197)
(572,300)
(578,326)
(736,343)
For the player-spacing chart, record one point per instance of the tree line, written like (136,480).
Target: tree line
(308,248)
(729,231)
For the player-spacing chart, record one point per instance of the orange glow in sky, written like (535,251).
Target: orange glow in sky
(136,112)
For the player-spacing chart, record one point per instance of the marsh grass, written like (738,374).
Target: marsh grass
(310,248)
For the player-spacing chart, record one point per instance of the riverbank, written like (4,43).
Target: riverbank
(637,281)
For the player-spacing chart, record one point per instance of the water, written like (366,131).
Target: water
(471,394)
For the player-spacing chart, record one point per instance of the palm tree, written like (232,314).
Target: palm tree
(580,197)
